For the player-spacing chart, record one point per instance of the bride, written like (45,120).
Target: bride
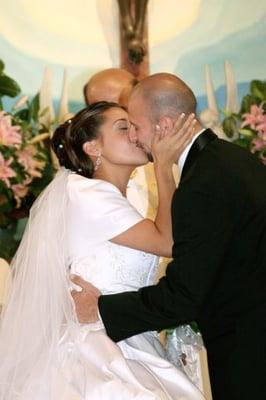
(82,223)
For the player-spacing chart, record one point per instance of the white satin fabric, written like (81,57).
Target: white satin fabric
(97,368)
(44,353)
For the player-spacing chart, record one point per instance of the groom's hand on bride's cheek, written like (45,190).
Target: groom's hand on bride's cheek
(86,300)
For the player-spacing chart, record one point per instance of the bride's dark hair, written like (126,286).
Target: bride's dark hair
(68,138)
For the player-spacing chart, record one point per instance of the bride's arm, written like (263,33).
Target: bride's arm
(156,237)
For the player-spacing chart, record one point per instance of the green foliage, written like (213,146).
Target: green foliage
(258,89)
(8,243)
(229,125)
(8,87)
(10,238)
(13,211)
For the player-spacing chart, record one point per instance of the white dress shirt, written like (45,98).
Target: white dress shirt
(183,157)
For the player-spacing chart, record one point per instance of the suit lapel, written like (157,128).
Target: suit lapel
(206,137)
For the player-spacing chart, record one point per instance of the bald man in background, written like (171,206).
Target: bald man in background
(112,84)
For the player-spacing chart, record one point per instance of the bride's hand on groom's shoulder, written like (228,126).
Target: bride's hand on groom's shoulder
(86,300)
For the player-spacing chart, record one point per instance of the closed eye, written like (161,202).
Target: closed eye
(124,128)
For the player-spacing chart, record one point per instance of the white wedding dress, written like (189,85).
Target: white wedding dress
(134,368)
(86,363)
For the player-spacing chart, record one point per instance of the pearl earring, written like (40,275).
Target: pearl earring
(98,162)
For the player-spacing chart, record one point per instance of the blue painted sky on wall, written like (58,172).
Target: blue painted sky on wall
(215,30)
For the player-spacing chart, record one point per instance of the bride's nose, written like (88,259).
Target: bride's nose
(132,134)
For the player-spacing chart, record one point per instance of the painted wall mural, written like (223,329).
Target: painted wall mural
(82,36)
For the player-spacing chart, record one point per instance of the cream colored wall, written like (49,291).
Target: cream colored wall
(82,35)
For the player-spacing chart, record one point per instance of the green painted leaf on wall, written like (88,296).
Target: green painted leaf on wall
(258,89)
(8,87)
(34,107)
(2,67)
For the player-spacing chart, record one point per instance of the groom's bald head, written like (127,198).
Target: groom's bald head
(164,94)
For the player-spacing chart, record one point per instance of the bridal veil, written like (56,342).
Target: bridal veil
(38,304)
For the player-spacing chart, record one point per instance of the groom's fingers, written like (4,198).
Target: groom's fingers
(78,281)
(84,284)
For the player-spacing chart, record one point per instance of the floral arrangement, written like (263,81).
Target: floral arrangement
(248,127)
(20,162)
(25,163)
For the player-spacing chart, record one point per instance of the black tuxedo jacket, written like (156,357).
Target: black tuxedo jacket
(218,273)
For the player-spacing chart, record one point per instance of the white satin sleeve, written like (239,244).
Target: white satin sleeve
(97,210)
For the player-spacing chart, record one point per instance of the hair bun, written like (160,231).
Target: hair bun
(59,145)
(69,138)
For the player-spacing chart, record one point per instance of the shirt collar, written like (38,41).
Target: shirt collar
(183,157)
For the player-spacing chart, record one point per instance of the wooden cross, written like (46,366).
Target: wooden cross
(134,51)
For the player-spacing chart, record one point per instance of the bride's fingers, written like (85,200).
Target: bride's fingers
(187,139)
(182,142)
(186,133)
(181,126)
(190,121)
(160,132)
(188,130)
(157,136)
(178,124)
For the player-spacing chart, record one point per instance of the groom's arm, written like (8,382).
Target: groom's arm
(203,228)
(130,313)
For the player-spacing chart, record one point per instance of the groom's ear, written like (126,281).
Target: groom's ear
(166,124)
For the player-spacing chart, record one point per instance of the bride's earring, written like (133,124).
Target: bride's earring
(98,162)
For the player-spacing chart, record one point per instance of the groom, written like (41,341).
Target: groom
(218,273)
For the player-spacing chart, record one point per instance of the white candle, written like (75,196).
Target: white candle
(4,274)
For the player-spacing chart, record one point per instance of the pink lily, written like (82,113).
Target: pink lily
(261,128)
(6,171)
(10,135)
(254,117)
(19,191)
(257,144)
(263,158)
(27,160)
